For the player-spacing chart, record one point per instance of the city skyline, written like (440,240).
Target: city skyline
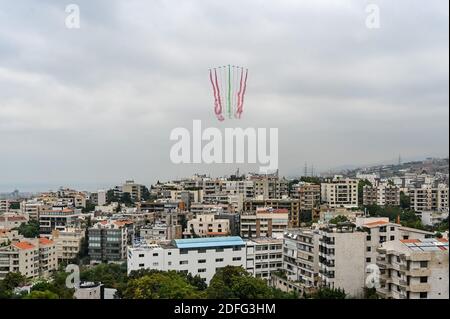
(97,104)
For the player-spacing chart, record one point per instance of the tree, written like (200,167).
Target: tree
(338,219)
(111,275)
(329,293)
(30,229)
(37,294)
(111,196)
(126,199)
(370,293)
(235,282)
(405,201)
(160,285)
(89,207)
(11,281)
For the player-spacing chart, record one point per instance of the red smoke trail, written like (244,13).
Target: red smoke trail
(217,103)
(242,94)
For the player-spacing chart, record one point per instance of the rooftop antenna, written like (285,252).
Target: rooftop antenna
(306,169)
(400,160)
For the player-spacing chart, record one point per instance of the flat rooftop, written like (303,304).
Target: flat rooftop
(208,242)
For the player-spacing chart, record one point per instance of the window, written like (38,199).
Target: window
(183,262)
(155,255)
(368,238)
(392,238)
(219,260)
(423,295)
(423,279)
(202,270)
(423,264)
(369,248)
(141,265)
(392,228)
(368,260)
(202,261)
(202,251)
(237,258)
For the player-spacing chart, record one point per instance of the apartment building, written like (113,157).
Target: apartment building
(206,225)
(380,230)
(301,257)
(135,190)
(57,218)
(246,188)
(340,192)
(414,269)
(160,232)
(33,208)
(98,198)
(107,242)
(48,258)
(68,243)
(197,256)
(265,222)
(428,198)
(342,258)
(308,194)
(31,257)
(293,207)
(264,256)
(271,187)
(12,220)
(381,195)
(4,205)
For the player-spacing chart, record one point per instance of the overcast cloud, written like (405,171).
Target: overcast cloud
(94,106)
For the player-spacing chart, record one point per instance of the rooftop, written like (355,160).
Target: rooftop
(228,241)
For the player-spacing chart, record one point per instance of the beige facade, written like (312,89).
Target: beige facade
(381,195)
(429,198)
(414,269)
(340,192)
(265,222)
(68,242)
(206,225)
(31,257)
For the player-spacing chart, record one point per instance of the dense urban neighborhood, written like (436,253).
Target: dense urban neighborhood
(374,232)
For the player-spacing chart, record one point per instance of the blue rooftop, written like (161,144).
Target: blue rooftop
(209,242)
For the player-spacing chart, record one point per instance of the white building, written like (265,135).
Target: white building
(414,269)
(432,218)
(342,259)
(264,256)
(4,205)
(198,256)
(301,257)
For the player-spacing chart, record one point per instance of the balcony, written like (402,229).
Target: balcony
(419,287)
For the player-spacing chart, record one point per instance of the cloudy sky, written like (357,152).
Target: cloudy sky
(94,106)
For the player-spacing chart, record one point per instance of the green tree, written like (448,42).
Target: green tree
(160,285)
(11,281)
(37,294)
(236,283)
(338,219)
(405,201)
(111,275)
(328,293)
(30,229)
